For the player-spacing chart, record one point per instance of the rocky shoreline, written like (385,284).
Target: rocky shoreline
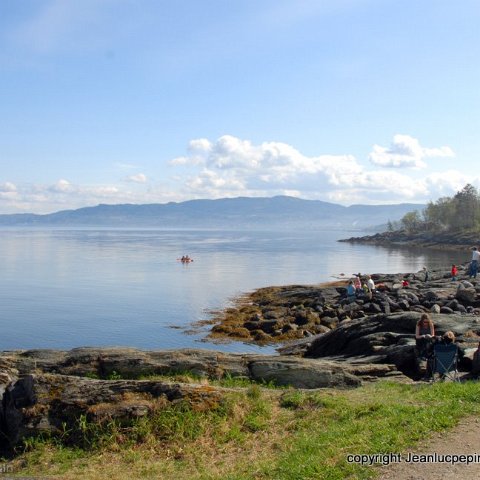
(363,331)
(325,341)
(281,314)
(438,240)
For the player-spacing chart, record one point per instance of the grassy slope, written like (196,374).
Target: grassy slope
(260,433)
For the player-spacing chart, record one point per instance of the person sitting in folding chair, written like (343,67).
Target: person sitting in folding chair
(445,358)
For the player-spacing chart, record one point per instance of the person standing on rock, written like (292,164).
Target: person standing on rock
(425,271)
(370,285)
(474,263)
(454,273)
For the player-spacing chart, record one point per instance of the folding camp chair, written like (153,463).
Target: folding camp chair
(445,359)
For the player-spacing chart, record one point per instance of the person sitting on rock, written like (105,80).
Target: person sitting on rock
(424,330)
(350,291)
(424,337)
(357,283)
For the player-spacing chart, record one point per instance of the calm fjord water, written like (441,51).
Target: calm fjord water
(69,288)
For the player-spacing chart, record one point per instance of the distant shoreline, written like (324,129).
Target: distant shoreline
(438,241)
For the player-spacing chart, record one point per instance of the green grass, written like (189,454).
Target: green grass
(259,433)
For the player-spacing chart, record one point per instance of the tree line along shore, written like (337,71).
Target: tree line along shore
(448,223)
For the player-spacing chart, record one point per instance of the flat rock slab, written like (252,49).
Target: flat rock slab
(41,394)
(134,364)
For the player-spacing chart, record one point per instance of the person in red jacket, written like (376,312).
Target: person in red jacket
(454,273)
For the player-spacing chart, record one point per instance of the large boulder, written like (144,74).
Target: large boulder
(54,404)
(302,373)
(466,295)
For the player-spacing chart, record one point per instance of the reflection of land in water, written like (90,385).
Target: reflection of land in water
(433,258)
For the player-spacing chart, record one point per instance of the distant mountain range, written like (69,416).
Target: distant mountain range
(241,212)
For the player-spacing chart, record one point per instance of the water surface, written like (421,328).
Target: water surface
(69,288)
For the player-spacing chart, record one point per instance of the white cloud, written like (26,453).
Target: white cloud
(8,192)
(62,186)
(200,144)
(231,166)
(406,151)
(61,195)
(138,178)
(8,187)
(444,183)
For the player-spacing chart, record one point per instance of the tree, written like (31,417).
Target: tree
(460,212)
(439,215)
(411,221)
(467,208)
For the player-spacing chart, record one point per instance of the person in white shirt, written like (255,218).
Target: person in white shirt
(474,263)
(370,284)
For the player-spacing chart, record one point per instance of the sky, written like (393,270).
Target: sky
(152,101)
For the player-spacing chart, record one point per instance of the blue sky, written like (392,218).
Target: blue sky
(142,101)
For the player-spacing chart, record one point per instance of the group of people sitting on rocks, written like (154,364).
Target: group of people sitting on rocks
(357,289)
(372,298)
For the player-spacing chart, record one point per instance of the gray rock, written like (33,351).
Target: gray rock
(386,308)
(435,308)
(466,295)
(431,296)
(330,322)
(403,304)
(453,304)
(302,373)
(321,329)
(272,314)
(269,326)
(446,310)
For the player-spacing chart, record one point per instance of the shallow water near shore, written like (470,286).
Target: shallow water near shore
(65,288)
